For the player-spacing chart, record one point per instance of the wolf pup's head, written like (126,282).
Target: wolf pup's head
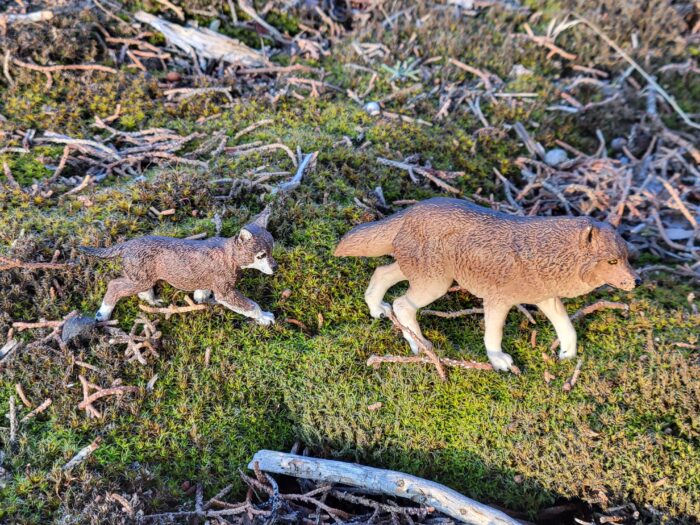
(255,245)
(605,258)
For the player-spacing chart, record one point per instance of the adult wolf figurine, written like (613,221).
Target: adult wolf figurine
(505,260)
(206,266)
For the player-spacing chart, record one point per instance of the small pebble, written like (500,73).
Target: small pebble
(555,156)
(173,76)
(373,108)
(618,143)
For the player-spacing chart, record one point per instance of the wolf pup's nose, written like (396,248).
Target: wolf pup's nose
(637,281)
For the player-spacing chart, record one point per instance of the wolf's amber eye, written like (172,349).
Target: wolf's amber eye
(612,261)
(260,256)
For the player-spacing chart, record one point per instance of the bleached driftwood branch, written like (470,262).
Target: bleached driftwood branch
(296,180)
(28,18)
(205,42)
(442,498)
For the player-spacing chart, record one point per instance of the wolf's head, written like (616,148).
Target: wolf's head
(605,258)
(254,245)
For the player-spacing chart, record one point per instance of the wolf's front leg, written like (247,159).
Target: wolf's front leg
(239,303)
(494,319)
(555,311)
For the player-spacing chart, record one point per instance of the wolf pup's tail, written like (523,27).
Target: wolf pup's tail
(102,253)
(371,239)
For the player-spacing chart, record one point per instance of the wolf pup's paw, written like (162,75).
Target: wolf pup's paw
(380,310)
(500,361)
(266,319)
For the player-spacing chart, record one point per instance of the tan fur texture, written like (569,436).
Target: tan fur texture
(505,260)
(206,266)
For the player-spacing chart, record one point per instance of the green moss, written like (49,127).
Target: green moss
(629,430)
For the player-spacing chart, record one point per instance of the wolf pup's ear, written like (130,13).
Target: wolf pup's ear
(244,235)
(263,217)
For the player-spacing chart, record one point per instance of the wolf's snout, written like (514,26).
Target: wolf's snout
(638,281)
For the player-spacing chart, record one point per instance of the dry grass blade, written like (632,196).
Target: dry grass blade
(652,82)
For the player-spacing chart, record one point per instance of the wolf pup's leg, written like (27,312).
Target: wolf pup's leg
(150,297)
(384,277)
(118,289)
(494,319)
(419,294)
(239,303)
(555,311)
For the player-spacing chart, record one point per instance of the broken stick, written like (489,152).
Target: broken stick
(82,454)
(398,484)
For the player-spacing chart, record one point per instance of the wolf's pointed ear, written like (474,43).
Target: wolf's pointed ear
(263,217)
(244,235)
(589,235)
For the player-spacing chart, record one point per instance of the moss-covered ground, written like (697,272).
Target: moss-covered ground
(629,432)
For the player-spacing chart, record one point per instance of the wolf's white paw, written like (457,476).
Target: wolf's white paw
(266,319)
(380,310)
(202,296)
(104,313)
(567,353)
(500,361)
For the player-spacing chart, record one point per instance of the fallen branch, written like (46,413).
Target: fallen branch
(248,9)
(29,18)
(397,484)
(8,349)
(66,67)
(172,309)
(13,421)
(22,395)
(431,174)
(425,348)
(21,325)
(574,378)
(205,42)
(113,391)
(82,455)
(296,180)
(452,315)
(8,264)
(38,410)
(652,82)
(376,360)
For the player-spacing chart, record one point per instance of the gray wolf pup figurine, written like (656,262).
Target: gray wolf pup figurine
(206,266)
(503,259)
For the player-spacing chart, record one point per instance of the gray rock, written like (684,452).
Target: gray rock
(373,108)
(555,157)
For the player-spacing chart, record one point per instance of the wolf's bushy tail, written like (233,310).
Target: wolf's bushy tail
(371,239)
(102,253)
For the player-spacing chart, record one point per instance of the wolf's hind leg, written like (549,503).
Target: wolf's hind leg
(419,294)
(118,289)
(555,311)
(150,297)
(384,277)
(494,319)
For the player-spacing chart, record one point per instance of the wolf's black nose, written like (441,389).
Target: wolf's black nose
(637,281)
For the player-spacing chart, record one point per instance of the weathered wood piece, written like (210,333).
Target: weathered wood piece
(205,42)
(442,498)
